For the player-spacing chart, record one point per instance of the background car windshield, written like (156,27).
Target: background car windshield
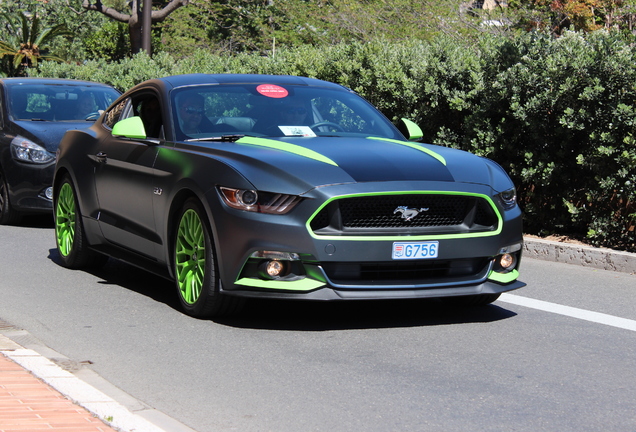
(56,102)
(262,110)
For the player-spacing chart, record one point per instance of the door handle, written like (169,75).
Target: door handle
(101,156)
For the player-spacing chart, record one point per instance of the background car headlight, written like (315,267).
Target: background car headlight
(26,150)
(259,202)
(508,198)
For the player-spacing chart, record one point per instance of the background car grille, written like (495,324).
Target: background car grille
(378,215)
(408,272)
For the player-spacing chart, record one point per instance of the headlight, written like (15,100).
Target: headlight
(259,202)
(508,198)
(26,150)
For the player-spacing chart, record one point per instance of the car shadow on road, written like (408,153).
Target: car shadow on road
(132,278)
(37,221)
(360,314)
(298,315)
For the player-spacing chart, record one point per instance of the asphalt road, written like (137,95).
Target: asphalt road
(564,363)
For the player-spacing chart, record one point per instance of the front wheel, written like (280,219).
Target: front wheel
(71,242)
(195,267)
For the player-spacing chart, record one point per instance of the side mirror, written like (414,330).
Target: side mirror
(410,130)
(132,127)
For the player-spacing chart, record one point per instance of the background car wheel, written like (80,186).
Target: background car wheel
(69,232)
(195,267)
(8,215)
(472,300)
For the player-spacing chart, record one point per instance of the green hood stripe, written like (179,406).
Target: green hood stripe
(286,147)
(439,157)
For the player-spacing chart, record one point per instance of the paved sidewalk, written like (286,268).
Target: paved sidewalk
(29,404)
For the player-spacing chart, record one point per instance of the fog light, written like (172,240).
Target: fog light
(48,192)
(507,261)
(274,268)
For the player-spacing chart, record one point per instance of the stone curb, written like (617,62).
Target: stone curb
(110,411)
(586,256)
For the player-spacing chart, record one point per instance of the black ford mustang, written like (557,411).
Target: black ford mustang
(242,186)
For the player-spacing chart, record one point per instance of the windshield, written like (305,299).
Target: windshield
(208,111)
(58,102)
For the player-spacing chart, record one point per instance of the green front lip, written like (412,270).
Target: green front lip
(504,278)
(65,220)
(305,284)
(410,238)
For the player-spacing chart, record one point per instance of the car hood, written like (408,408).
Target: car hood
(304,163)
(48,133)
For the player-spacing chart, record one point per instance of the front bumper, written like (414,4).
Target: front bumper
(331,267)
(28,184)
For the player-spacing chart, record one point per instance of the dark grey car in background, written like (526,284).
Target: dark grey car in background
(34,115)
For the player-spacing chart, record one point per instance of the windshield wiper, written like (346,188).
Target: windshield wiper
(222,138)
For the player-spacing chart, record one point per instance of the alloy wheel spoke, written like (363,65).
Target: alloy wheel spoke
(190,257)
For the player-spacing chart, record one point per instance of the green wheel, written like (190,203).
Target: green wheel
(195,267)
(8,215)
(69,233)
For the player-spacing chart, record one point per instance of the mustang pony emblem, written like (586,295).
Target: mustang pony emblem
(409,213)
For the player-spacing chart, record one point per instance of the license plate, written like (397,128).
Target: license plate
(415,250)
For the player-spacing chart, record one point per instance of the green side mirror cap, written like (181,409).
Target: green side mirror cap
(132,127)
(411,130)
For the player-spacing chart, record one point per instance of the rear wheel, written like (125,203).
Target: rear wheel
(8,215)
(195,266)
(72,245)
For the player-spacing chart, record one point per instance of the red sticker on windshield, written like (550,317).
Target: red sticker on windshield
(271,90)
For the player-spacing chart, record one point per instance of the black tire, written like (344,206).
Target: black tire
(194,263)
(8,215)
(70,239)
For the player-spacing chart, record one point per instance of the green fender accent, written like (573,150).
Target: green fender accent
(415,132)
(431,153)
(504,278)
(132,127)
(286,147)
(297,285)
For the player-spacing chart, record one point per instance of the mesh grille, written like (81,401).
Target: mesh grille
(412,214)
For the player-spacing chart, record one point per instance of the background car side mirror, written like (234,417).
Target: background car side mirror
(410,129)
(132,127)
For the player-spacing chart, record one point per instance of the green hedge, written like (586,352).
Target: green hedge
(557,114)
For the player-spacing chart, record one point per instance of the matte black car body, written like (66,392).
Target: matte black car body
(34,115)
(330,209)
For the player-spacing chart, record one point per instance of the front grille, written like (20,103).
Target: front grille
(420,272)
(410,214)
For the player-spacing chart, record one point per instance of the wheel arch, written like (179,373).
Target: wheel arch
(176,205)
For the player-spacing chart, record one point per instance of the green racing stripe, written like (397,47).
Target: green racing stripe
(286,147)
(431,153)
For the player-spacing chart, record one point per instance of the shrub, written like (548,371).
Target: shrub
(557,114)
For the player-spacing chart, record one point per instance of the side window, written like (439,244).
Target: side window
(148,108)
(117,113)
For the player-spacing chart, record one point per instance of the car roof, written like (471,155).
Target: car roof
(200,79)
(50,81)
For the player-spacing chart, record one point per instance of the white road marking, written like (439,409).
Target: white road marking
(583,314)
